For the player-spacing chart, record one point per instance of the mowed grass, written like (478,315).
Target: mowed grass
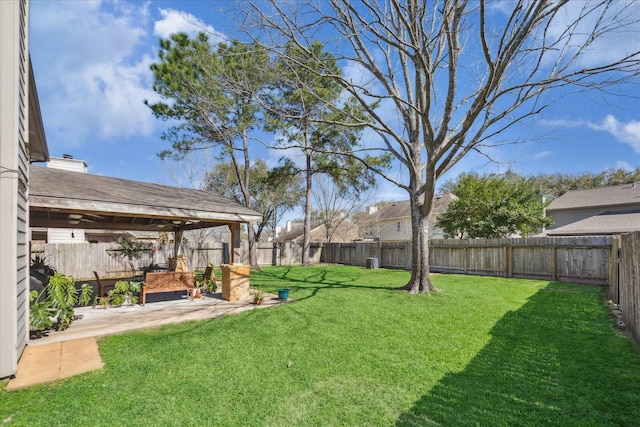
(353,351)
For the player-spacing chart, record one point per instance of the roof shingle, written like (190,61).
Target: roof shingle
(602,224)
(403,209)
(619,195)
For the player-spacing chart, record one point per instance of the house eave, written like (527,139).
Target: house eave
(37,145)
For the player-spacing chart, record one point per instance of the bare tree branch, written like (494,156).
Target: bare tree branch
(441,79)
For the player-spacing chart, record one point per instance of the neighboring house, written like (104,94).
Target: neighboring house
(346,231)
(393,221)
(599,211)
(22,141)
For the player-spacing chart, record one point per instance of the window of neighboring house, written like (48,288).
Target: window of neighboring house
(398,226)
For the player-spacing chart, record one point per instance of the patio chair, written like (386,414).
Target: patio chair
(206,276)
(100,285)
(101,298)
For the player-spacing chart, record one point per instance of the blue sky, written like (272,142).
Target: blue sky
(91,61)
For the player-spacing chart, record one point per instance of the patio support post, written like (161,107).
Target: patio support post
(235,242)
(176,241)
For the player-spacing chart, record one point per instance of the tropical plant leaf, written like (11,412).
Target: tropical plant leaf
(85,294)
(40,316)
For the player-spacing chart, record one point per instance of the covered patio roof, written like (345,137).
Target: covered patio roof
(63,199)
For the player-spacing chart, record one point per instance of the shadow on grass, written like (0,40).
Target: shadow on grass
(555,361)
(317,279)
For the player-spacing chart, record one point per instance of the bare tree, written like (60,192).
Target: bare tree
(335,207)
(451,75)
(368,220)
(191,171)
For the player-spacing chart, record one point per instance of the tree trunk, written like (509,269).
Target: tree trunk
(425,281)
(253,251)
(306,235)
(420,280)
(244,186)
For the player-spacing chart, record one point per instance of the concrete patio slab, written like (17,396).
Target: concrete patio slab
(55,361)
(75,350)
(98,322)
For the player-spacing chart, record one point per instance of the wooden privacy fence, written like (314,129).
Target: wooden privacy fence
(577,259)
(80,260)
(627,292)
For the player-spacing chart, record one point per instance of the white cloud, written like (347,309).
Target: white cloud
(541,154)
(629,132)
(176,21)
(92,79)
(273,157)
(502,6)
(357,74)
(621,164)
(608,37)
(561,123)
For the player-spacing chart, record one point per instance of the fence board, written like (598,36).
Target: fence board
(629,283)
(580,260)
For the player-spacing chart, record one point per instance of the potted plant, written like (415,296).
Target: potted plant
(283,293)
(52,307)
(39,274)
(198,290)
(101,301)
(258,297)
(39,264)
(131,249)
(202,285)
(123,293)
(212,285)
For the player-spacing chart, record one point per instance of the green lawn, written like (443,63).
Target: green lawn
(352,351)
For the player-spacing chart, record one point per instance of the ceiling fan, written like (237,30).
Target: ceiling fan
(76,218)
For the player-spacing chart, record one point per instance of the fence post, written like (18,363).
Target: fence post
(552,263)
(614,278)
(465,254)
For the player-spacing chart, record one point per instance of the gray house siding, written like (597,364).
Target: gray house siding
(14,168)
(23,256)
(567,216)
(578,205)
(562,218)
